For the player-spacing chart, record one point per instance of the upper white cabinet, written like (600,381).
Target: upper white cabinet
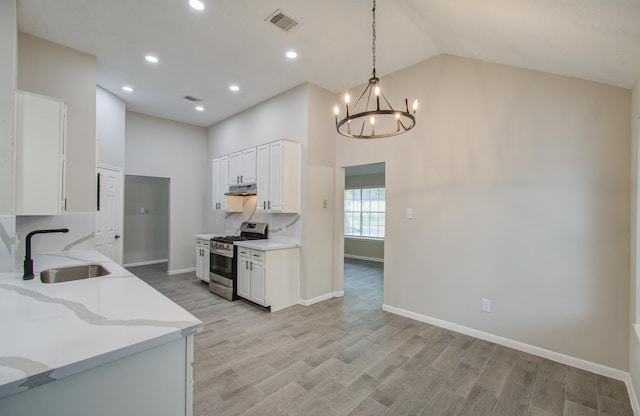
(278,177)
(219,182)
(242,167)
(40,148)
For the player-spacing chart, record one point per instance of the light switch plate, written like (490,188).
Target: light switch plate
(410,213)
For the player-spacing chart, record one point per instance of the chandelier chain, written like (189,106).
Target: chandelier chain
(373,44)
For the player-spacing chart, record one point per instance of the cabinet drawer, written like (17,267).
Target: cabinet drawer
(257,255)
(243,252)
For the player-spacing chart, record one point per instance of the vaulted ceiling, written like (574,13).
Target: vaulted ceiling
(232,42)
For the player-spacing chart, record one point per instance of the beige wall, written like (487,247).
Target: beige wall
(519,184)
(50,69)
(167,149)
(8,52)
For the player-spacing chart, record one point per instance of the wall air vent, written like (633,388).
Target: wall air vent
(192,99)
(281,20)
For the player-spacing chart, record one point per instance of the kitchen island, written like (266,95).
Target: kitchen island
(100,346)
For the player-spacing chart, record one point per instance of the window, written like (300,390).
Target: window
(364,212)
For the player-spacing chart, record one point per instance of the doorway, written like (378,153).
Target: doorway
(364,217)
(146,220)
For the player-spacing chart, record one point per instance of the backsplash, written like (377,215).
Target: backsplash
(7,242)
(285,226)
(80,236)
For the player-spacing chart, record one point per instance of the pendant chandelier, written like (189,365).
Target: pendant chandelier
(372,116)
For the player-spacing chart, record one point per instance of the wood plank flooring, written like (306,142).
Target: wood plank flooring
(345,356)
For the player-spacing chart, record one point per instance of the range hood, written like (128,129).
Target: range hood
(243,189)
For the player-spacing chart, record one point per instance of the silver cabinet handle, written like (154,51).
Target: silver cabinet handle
(269,204)
(241,178)
(251,266)
(264,204)
(246,265)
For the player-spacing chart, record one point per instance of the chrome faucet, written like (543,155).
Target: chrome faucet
(28,261)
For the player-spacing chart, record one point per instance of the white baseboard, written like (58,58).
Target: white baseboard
(146,263)
(179,271)
(324,297)
(521,346)
(353,256)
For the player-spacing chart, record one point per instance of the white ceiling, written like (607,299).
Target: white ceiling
(202,53)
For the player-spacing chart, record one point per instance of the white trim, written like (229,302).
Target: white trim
(180,271)
(145,263)
(633,397)
(322,298)
(521,346)
(353,256)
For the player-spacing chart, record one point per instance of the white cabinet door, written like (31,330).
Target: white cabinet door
(244,273)
(224,182)
(199,259)
(275,176)
(215,184)
(219,182)
(235,168)
(262,177)
(40,140)
(258,284)
(205,262)
(248,168)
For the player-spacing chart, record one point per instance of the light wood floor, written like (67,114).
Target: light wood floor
(345,356)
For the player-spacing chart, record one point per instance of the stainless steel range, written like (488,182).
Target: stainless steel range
(223,254)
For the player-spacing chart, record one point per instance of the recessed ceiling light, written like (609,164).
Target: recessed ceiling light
(234,88)
(199,108)
(127,88)
(292,55)
(196,4)
(151,58)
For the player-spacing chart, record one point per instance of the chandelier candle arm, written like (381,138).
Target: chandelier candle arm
(384,122)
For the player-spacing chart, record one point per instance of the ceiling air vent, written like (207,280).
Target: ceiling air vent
(281,20)
(192,99)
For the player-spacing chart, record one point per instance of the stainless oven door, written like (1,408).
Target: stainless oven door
(221,263)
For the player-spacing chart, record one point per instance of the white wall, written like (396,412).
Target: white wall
(519,184)
(146,219)
(8,52)
(110,124)
(168,149)
(50,69)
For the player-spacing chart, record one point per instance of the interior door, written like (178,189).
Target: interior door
(108,229)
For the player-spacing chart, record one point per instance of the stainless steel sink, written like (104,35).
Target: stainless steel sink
(67,274)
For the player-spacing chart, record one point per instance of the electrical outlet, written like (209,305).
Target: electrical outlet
(486,305)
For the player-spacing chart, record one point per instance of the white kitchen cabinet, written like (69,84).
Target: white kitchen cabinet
(40,149)
(220,183)
(269,278)
(278,177)
(244,273)
(202,259)
(242,167)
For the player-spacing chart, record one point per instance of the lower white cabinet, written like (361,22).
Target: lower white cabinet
(269,278)
(202,259)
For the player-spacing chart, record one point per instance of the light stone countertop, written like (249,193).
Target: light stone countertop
(51,331)
(206,236)
(268,244)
